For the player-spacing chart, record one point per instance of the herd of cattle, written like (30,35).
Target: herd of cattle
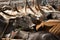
(30,22)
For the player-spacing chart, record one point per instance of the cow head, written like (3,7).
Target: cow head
(25,22)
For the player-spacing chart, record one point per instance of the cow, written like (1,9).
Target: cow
(51,26)
(11,20)
(42,35)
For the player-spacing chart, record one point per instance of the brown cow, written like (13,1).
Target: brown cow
(52,26)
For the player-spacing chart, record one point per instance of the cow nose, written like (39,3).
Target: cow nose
(37,18)
(32,26)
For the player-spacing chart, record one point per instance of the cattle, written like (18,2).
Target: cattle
(6,21)
(34,11)
(42,35)
(13,19)
(51,26)
(49,12)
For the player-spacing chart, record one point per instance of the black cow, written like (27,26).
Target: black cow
(42,36)
(36,35)
(25,23)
